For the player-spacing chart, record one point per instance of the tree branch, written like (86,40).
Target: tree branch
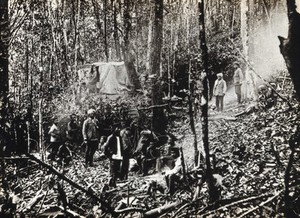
(105,206)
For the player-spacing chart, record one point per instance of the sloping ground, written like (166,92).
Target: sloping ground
(251,154)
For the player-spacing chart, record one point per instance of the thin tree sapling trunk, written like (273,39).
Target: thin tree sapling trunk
(128,55)
(4,40)
(213,193)
(158,119)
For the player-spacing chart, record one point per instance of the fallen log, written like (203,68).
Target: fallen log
(35,200)
(161,210)
(237,202)
(16,158)
(71,212)
(105,206)
(260,205)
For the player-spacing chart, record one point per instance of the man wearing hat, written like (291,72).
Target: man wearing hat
(219,91)
(237,81)
(90,135)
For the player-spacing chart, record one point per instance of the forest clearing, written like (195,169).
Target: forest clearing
(149,108)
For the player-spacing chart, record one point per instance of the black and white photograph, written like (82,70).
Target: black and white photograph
(149,108)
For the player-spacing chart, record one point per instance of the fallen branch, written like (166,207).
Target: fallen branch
(161,210)
(71,212)
(130,210)
(16,158)
(35,200)
(237,202)
(105,206)
(260,205)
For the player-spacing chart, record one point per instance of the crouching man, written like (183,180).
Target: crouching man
(174,176)
(113,149)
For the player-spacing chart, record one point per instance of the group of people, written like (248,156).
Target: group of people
(118,144)
(220,87)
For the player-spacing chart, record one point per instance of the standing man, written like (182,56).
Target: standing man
(237,80)
(55,138)
(90,136)
(127,140)
(219,91)
(113,149)
(72,132)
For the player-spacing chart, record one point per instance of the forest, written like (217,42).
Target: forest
(149,108)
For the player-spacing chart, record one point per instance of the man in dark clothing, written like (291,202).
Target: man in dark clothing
(127,140)
(144,149)
(64,153)
(90,136)
(72,132)
(113,149)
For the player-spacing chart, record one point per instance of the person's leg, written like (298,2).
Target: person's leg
(159,164)
(217,103)
(94,146)
(145,166)
(55,149)
(87,153)
(124,167)
(238,93)
(114,171)
(222,102)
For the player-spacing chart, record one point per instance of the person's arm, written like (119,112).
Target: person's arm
(241,75)
(224,87)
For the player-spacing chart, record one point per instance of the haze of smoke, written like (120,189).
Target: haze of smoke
(266,57)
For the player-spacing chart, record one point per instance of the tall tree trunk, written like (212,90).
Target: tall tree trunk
(158,123)
(290,47)
(150,24)
(127,53)
(77,47)
(213,193)
(192,122)
(105,30)
(116,32)
(4,40)
(245,40)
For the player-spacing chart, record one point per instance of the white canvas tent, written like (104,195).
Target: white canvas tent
(105,78)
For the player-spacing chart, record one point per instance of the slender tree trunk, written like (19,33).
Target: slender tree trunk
(290,47)
(4,40)
(105,30)
(150,25)
(76,36)
(158,122)
(245,41)
(116,32)
(128,55)
(213,194)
